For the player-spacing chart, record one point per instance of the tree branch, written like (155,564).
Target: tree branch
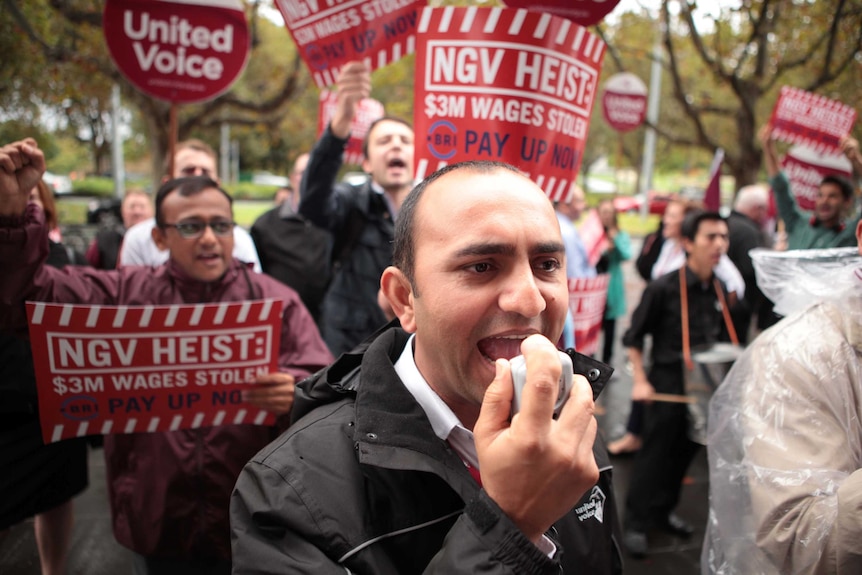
(703,138)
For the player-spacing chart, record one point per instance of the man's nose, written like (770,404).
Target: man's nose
(208,236)
(521,293)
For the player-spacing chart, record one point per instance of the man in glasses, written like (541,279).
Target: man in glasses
(191,158)
(169,491)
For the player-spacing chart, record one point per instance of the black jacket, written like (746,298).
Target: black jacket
(360,484)
(296,253)
(362,229)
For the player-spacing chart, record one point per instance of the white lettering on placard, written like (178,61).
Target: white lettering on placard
(194,66)
(201,349)
(97,351)
(299,9)
(553,76)
(170,41)
(464,65)
(178,31)
(508,110)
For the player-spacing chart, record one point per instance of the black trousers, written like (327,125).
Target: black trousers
(609,327)
(660,465)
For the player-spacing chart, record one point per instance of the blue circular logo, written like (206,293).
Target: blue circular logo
(80,407)
(442,139)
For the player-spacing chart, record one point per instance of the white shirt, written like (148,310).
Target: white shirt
(672,257)
(443,420)
(139,249)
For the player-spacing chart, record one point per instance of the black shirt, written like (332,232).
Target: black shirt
(659,314)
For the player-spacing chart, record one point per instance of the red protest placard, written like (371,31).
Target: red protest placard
(507,85)
(593,236)
(587,297)
(367,111)
(179,50)
(330,33)
(584,12)
(130,369)
(800,117)
(806,168)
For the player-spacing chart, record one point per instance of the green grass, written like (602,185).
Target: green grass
(246,212)
(637,226)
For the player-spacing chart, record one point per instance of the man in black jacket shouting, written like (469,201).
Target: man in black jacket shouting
(404,457)
(359,217)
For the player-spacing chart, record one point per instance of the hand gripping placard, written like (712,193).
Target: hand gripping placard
(506,85)
(131,369)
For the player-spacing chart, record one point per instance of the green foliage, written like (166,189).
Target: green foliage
(94,186)
(56,72)
(18,129)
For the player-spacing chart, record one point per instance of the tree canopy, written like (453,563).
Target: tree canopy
(722,67)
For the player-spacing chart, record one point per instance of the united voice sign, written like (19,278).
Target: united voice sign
(129,369)
(507,85)
(624,102)
(179,51)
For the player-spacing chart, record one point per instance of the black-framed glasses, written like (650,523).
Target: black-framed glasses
(193,230)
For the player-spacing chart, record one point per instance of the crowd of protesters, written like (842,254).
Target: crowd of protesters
(403,455)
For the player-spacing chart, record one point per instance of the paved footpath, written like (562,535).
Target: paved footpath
(94,551)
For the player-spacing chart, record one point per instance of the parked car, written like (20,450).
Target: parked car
(61,185)
(269,179)
(657,202)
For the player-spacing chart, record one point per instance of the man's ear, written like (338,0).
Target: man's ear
(859,236)
(399,293)
(159,237)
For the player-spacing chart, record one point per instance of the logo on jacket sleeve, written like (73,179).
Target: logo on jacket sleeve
(594,507)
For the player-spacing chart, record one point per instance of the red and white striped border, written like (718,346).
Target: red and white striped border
(497,23)
(157,424)
(118,317)
(384,57)
(557,189)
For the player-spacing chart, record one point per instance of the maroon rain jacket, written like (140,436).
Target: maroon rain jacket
(170,491)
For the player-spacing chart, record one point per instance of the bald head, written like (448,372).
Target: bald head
(404,250)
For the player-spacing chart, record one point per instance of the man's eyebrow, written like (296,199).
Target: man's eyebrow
(548,248)
(487,249)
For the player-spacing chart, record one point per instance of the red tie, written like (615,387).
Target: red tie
(475,473)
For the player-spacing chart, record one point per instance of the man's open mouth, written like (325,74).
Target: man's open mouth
(506,347)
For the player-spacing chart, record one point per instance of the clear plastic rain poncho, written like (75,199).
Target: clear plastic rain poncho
(785,427)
